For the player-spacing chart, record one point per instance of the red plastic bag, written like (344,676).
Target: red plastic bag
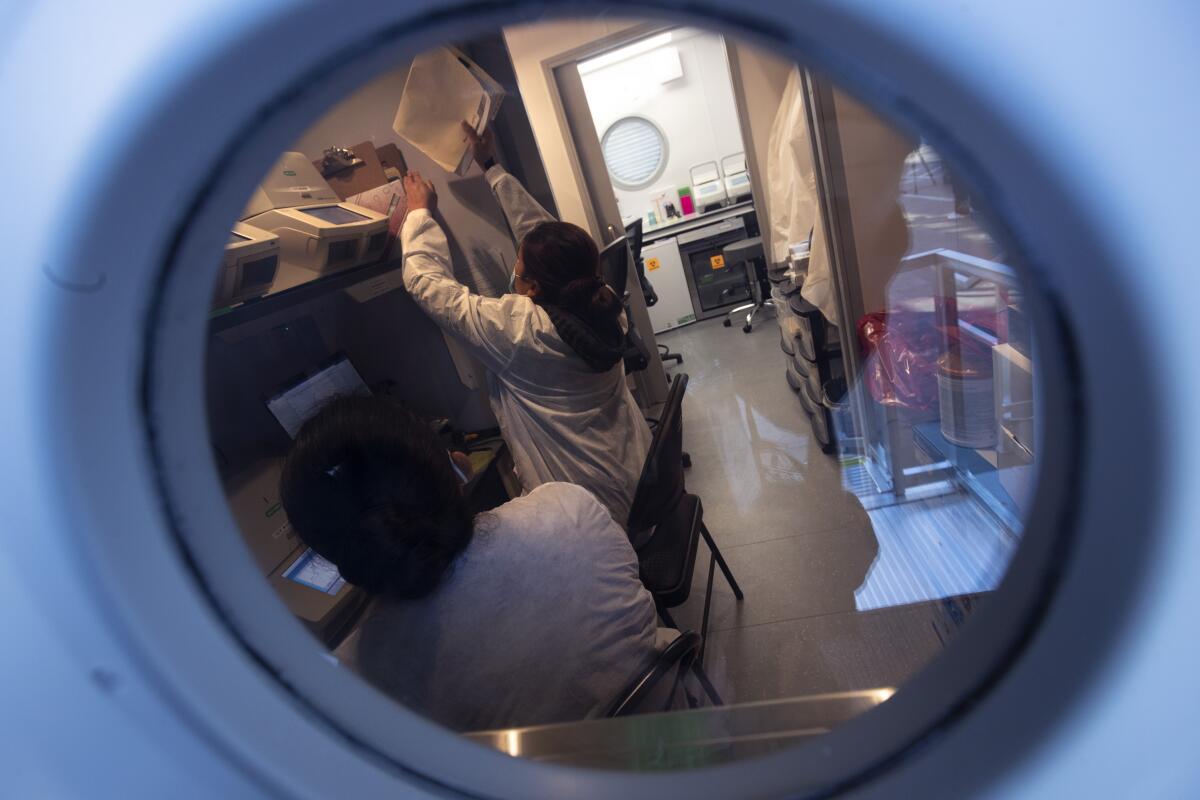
(902,349)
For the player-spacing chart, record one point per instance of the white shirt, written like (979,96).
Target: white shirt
(542,619)
(561,420)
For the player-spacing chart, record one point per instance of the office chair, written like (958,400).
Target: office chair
(614,268)
(633,234)
(666,523)
(643,696)
(750,253)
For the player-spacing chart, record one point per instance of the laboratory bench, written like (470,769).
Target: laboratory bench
(651,233)
(308,585)
(296,285)
(263,347)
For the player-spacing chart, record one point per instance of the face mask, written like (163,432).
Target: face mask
(512,282)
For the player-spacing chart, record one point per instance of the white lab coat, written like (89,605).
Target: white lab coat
(561,420)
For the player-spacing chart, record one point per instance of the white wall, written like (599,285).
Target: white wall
(696,112)
(873,153)
(762,77)
(530,47)
(482,250)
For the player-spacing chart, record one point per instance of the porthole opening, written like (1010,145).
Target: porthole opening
(710,470)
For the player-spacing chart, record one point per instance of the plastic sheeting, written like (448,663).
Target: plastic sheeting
(793,210)
(902,349)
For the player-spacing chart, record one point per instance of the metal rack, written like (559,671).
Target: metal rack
(915,453)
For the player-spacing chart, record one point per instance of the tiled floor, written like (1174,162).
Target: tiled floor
(802,546)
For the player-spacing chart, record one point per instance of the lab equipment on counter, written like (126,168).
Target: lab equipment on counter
(249,266)
(335,159)
(309,586)
(737,177)
(317,231)
(707,186)
(686,203)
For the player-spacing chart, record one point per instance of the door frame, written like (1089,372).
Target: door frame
(587,165)
(584,164)
(880,447)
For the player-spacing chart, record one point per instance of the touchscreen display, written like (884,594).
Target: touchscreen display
(316,573)
(335,215)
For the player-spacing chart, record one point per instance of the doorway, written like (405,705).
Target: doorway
(654,119)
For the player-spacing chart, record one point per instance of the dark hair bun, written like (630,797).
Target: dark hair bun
(565,262)
(368,486)
(590,298)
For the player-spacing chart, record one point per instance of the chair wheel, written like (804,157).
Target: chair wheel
(687,461)
(746,328)
(727,323)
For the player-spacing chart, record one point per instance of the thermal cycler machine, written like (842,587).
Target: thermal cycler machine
(249,267)
(316,230)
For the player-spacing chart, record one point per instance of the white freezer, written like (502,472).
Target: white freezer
(664,270)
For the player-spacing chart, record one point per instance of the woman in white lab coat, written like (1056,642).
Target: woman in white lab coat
(552,346)
(529,614)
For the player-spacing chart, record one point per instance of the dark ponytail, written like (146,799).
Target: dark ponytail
(565,262)
(591,299)
(368,486)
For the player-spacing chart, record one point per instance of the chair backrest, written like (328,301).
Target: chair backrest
(633,233)
(637,353)
(614,266)
(660,486)
(643,694)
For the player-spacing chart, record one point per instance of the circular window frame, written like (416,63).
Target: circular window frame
(861,749)
(659,169)
(172,331)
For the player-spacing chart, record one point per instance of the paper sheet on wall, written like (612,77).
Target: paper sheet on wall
(443,88)
(388,199)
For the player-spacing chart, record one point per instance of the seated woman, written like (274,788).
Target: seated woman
(532,613)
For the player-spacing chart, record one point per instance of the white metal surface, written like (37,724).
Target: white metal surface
(121,678)
(247,245)
(291,202)
(664,270)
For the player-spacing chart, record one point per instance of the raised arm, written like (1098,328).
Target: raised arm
(491,329)
(520,209)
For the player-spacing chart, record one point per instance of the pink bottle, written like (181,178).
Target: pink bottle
(686,204)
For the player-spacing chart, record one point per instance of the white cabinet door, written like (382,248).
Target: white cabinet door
(664,270)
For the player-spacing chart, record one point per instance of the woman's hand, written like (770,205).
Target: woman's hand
(482,146)
(419,191)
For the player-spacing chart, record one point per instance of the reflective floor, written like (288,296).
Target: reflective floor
(838,598)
